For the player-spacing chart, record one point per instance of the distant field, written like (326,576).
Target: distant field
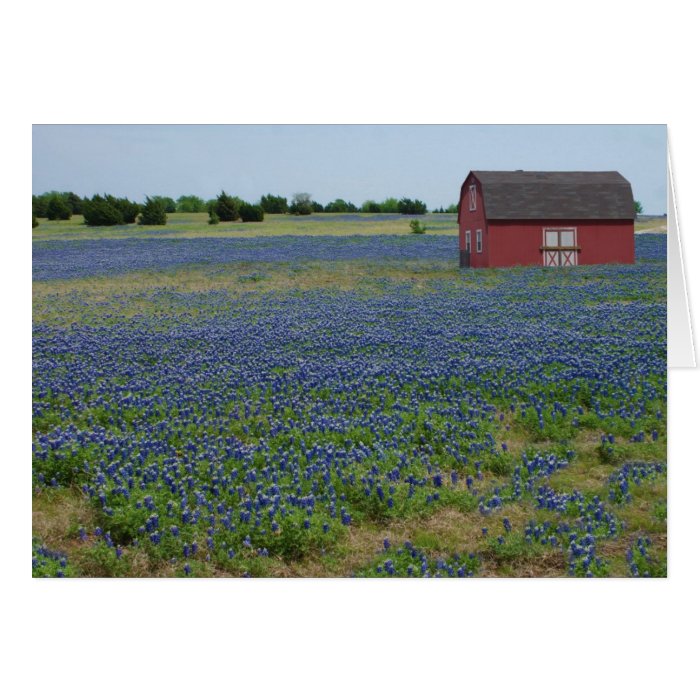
(347,404)
(196,226)
(651,225)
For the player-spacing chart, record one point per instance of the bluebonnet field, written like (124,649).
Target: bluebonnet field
(469,423)
(81,258)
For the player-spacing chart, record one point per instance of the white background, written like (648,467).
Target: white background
(389,62)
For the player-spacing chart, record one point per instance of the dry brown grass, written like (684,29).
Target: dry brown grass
(56,513)
(126,295)
(550,563)
(659,225)
(440,534)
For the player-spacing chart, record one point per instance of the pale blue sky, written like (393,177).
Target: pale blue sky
(352,162)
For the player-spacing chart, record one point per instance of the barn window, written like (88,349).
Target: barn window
(478,240)
(472,197)
(469,241)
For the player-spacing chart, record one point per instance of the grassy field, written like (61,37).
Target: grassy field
(195,226)
(369,416)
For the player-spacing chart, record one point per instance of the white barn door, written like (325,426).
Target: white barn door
(551,240)
(559,247)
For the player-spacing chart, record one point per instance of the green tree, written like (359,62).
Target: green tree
(190,204)
(272,204)
(301,204)
(153,212)
(40,203)
(411,206)
(316,207)
(337,206)
(58,209)
(390,205)
(39,206)
(74,202)
(129,210)
(35,221)
(638,208)
(371,207)
(227,208)
(213,218)
(251,212)
(169,205)
(100,211)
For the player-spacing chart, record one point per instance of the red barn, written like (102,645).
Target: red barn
(545,218)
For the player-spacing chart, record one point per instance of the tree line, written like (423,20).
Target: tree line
(108,210)
(101,210)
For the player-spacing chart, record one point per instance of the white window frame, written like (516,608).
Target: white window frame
(472,197)
(479,240)
(468,238)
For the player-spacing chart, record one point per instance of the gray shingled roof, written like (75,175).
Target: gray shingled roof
(555,195)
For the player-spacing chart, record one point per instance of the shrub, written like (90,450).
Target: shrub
(251,212)
(390,206)
(274,205)
(74,202)
(301,204)
(411,206)
(416,226)
(58,209)
(153,212)
(338,206)
(129,210)
(190,203)
(227,207)
(40,205)
(168,203)
(213,218)
(98,211)
(35,221)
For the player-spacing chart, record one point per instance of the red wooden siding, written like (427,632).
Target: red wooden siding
(473,221)
(607,242)
(600,242)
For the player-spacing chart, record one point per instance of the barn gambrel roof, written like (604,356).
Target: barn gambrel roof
(530,194)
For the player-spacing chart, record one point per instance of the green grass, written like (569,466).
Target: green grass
(196,226)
